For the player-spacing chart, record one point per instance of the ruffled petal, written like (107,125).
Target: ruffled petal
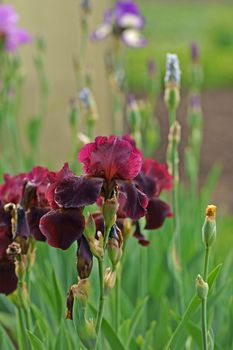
(111,158)
(77,191)
(135,202)
(8,279)
(62,227)
(133,38)
(33,217)
(157,212)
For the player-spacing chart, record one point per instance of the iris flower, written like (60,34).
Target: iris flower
(110,165)
(124,21)
(11,36)
(26,192)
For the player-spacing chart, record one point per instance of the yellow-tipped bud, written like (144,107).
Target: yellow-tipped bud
(209,227)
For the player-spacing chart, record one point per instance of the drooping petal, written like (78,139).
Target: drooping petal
(111,158)
(102,32)
(8,279)
(135,202)
(157,212)
(84,258)
(133,38)
(77,191)
(54,178)
(139,236)
(62,227)
(33,217)
(22,228)
(146,184)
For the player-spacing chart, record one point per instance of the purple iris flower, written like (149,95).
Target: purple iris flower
(11,36)
(124,21)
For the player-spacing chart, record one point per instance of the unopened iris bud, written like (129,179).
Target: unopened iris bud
(172,82)
(84,259)
(110,208)
(96,245)
(81,291)
(109,279)
(87,333)
(90,228)
(114,251)
(201,287)
(20,267)
(86,6)
(209,227)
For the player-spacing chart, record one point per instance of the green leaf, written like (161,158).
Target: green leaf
(193,306)
(35,342)
(109,333)
(148,341)
(135,319)
(5,342)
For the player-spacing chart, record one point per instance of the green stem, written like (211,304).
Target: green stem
(101,299)
(206,264)
(176,219)
(204,302)
(118,308)
(204,323)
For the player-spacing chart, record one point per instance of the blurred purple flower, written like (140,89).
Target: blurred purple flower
(11,36)
(151,67)
(124,21)
(195,52)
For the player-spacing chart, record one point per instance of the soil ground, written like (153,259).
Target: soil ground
(217,142)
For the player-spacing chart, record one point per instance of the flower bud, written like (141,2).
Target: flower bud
(110,208)
(90,228)
(84,259)
(20,267)
(96,245)
(109,279)
(114,245)
(209,227)
(81,291)
(87,333)
(14,250)
(172,82)
(201,287)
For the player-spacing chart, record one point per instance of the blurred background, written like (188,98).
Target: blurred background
(171,27)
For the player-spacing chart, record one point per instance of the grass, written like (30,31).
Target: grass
(172,26)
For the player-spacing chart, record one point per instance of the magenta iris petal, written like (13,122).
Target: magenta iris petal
(157,212)
(77,191)
(8,279)
(111,158)
(62,227)
(11,190)
(135,201)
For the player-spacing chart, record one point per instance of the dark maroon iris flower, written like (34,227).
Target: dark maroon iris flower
(110,165)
